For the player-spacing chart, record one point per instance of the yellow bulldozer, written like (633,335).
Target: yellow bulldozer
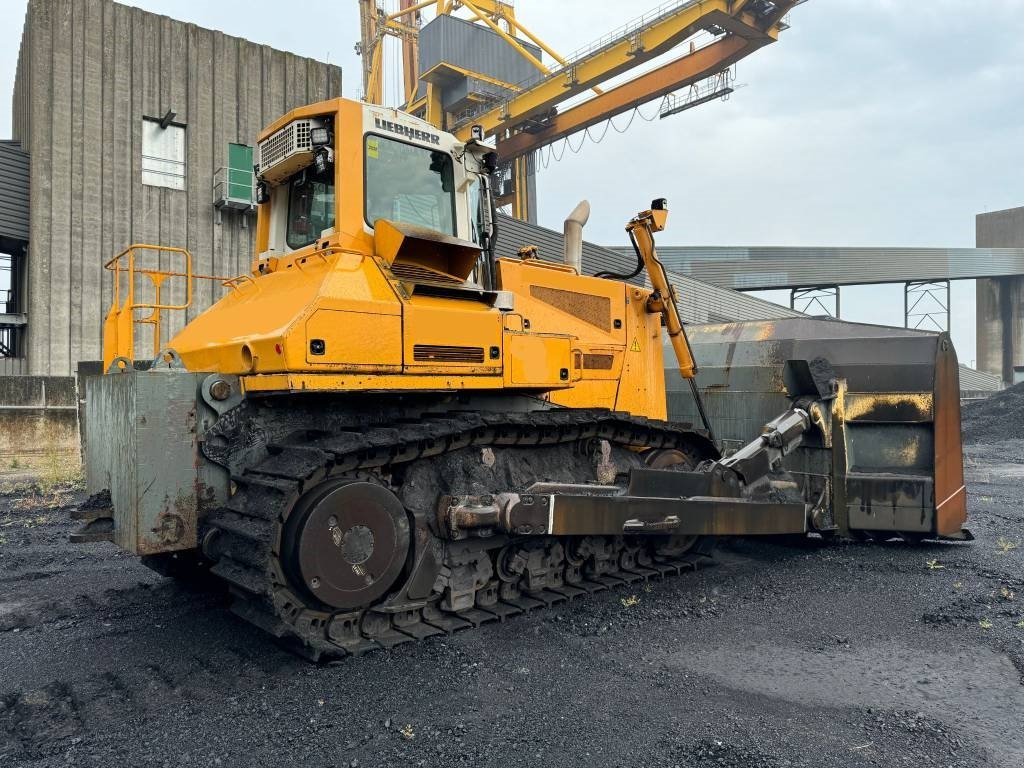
(387,430)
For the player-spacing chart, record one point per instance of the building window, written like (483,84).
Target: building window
(163,154)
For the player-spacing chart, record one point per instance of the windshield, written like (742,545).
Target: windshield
(310,205)
(409,184)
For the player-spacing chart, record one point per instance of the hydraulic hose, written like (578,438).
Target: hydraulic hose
(635,272)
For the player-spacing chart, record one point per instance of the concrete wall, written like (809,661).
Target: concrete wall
(13,366)
(88,72)
(1000,301)
(38,415)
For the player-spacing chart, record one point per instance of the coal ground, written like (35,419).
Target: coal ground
(782,654)
(996,418)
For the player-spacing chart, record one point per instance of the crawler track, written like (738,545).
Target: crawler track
(505,576)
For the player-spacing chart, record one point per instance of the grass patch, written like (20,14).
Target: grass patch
(32,504)
(1005,545)
(60,471)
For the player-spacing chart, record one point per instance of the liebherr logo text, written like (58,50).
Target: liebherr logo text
(404,130)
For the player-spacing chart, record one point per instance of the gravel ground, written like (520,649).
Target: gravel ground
(782,654)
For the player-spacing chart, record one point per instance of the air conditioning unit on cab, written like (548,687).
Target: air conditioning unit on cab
(287,150)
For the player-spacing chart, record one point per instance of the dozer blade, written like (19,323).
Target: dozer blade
(890,450)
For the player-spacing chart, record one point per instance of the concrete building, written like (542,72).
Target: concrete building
(1000,300)
(133,124)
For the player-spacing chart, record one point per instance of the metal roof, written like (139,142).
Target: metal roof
(13,191)
(699,302)
(764,268)
(978,381)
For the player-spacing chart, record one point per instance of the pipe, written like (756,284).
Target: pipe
(573,231)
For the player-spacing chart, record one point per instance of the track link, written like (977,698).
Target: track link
(246,533)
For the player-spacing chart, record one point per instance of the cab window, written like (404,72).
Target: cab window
(407,183)
(310,206)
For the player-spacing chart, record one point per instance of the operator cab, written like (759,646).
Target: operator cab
(329,178)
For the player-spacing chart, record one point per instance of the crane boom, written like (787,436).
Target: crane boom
(526,116)
(652,38)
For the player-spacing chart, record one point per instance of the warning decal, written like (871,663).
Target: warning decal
(635,346)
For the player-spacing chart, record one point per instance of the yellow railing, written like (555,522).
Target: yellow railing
(119,326)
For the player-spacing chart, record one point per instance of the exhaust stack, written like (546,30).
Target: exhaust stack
(573,230)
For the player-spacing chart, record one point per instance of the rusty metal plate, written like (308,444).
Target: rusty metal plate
(142,444)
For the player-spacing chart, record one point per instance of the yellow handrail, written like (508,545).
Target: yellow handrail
(119,326)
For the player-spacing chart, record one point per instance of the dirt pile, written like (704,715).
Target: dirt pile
(999,417)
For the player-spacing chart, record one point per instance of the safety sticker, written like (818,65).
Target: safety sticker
(635,346)
(372,149)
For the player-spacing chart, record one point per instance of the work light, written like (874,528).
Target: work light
(319,136)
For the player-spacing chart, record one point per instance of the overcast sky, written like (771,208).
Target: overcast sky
(870,122)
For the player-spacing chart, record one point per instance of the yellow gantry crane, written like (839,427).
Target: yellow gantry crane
(529,115)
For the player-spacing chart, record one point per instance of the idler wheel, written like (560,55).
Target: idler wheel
(672,459)
(668,458)
(345,543)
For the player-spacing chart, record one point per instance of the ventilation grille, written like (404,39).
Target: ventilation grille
(294,137)
(417,273)
(438,353)
(596,310)
(287,151)
(598,362)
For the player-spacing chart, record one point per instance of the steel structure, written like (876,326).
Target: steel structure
(815,275)
(815,300)
(527,115)
(926,305)
(769,268)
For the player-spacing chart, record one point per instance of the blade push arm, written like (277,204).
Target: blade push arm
(721,498)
